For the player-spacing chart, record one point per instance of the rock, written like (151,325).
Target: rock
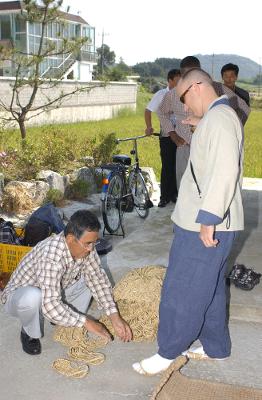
(151,184)
(55,180)
(24,196)
(86,174)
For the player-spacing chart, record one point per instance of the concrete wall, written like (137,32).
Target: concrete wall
(95,104)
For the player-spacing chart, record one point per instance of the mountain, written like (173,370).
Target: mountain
(248,69)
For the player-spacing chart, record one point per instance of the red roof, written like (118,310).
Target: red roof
(16,5)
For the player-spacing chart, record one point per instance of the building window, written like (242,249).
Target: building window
(5,27)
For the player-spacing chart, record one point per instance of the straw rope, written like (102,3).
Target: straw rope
(176,365)
(138,296)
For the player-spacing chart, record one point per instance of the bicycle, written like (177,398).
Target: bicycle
(124,189)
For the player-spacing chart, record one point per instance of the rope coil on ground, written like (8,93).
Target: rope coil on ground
(70,369)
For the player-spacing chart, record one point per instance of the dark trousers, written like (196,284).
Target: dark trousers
(168,185)
(193,299)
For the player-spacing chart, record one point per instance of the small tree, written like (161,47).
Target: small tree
(106,58)
(28,75)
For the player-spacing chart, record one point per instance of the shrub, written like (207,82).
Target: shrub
(78,190)
(28,161)
(103,151)
(54,196)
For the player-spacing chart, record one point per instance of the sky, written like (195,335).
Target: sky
(143,30)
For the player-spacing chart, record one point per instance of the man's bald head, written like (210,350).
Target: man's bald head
(195,89)
(195,75)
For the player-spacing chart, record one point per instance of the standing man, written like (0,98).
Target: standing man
(207,215)
(56,280)
(168,185)
(229,74)
(182,134)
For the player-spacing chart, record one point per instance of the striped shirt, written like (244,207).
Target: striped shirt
(171,104)
(51,267)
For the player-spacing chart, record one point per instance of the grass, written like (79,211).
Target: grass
(129,123)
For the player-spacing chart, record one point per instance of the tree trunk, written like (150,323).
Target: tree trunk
(22,128)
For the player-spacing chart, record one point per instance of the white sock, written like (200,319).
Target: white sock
(152,365)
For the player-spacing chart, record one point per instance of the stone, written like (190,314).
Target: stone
(151,184)
(54,180)
(86,174)
(24,196)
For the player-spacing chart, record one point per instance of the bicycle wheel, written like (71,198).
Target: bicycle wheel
(111,205)
(139,192)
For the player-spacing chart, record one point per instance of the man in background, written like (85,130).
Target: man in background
(168,186)
(229,74)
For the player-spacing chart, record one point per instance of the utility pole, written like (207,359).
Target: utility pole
(259,77)
(102,52)
(212,67)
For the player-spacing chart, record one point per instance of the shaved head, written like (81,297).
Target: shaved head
(195,90)
(196,75)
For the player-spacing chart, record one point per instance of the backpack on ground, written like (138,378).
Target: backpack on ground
(8,234)
(44,221)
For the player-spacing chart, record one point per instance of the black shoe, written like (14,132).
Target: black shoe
(163,203)
(30,345)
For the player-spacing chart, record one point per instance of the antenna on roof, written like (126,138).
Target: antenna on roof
(67,9)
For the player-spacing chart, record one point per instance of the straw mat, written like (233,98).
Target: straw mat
(175,386)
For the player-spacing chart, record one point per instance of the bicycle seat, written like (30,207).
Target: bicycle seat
(122,159)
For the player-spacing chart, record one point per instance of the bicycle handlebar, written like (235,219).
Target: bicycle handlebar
(136,137)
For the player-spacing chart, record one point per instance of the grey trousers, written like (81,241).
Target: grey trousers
(25,304)
(182,157)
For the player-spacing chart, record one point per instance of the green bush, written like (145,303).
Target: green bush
(78,190)
(103,151)
(54,196)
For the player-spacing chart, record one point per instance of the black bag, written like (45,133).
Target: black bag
(7,233)
(35,231)
(44,221)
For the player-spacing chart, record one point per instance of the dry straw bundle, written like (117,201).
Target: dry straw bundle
(137,296)
(16,199)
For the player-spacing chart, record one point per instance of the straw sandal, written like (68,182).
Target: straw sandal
(70,369)
(138,367)
(198,353)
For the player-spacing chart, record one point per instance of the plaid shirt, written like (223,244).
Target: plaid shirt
(171,104)
(50,267)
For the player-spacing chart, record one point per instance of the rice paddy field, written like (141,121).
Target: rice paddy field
(128,124)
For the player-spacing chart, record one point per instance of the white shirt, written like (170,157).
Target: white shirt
(156,100)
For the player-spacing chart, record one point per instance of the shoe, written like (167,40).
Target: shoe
(163,203)
(198,353)
(243,277)
(237,272)
(30,345)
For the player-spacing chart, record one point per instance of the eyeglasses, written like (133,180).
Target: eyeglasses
(90,245)
(182,97)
